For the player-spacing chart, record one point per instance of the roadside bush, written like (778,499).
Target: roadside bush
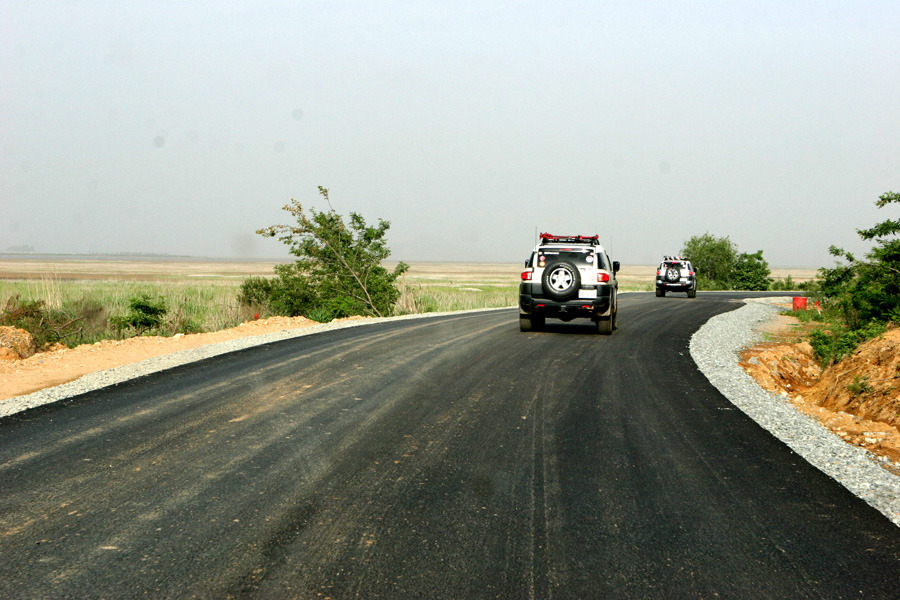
(786,284)
(338,271)
(832,344)
(750,272)
(18,312)
(145,314)
(863,295)
(255,291)
(45,325)
(720,267)
(714,259)
(320,314)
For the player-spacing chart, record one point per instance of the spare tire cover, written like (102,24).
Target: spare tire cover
(561,280)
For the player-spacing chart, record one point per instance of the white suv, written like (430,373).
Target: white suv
(568,277)
(676,274)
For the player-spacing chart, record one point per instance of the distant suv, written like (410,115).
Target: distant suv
(676,274)
(568,277)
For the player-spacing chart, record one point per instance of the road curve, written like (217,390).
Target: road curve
(449,457)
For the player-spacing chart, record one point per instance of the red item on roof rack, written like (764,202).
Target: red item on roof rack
(593,240)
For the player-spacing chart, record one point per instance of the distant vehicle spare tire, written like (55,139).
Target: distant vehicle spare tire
(561,280)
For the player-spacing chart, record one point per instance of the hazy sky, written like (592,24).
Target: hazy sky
(182,127)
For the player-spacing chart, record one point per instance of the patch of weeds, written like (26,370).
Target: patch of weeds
(184,324)
(807,316)
(859,385)
(833,344)
(320,314)
(426,304)
(47,326)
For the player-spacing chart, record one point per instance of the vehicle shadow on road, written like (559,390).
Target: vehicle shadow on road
(559,327)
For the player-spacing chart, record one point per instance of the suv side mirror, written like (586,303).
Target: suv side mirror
(615,266)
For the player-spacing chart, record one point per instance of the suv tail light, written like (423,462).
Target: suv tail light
(602,277)
(526,275)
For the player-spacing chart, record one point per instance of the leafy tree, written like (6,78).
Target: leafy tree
(750,272)
(338,271)
(713,257)
(867,290)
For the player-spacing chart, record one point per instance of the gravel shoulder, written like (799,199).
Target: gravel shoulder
(716,350)
(54,376)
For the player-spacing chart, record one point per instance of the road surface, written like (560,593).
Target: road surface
(447,457)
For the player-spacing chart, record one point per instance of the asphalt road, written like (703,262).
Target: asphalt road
(449,457)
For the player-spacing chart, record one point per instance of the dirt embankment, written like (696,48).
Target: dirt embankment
(857,398)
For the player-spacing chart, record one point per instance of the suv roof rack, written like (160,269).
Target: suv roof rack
(667,257)
(593,240)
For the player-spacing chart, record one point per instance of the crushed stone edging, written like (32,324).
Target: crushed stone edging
(715,348)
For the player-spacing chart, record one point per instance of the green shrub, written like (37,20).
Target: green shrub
(145,314)
(867,290)
(719,266)
(714,259)
(255,291)
(859,385)
(338,270)
(786,284)
(750,272)
(45,325)
(861,295)
(320,314)
(831,345)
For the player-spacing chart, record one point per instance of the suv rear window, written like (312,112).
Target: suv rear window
(575,256)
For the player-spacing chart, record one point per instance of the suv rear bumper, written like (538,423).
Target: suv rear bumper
(675,287)
(532,302)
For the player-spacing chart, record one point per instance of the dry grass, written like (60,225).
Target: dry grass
(234,272)
(149,270)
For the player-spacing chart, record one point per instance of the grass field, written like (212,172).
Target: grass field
(201,295)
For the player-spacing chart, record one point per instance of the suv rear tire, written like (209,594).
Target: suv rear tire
(530,322)
(605,326)
(561,280)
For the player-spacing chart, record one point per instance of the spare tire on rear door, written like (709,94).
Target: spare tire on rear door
(561,280)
